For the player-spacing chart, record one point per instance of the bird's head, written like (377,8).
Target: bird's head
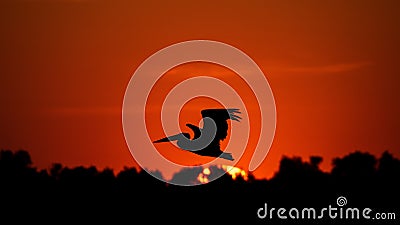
(174,138)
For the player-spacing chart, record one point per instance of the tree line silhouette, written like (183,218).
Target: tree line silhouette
(64,193)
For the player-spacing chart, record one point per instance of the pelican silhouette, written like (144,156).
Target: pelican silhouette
(206,140)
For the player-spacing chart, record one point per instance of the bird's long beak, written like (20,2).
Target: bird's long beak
(167,139)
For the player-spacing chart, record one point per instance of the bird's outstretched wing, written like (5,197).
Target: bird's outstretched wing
(220,117)
(196,130)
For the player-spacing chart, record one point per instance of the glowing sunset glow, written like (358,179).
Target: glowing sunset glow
(202,178)
(235,172)
(206,171)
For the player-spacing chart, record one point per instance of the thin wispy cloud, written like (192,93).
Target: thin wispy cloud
(83,111)
(323,69)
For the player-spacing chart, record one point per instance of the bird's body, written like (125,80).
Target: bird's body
(206,140)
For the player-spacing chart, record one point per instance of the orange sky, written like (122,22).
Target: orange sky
(65,64)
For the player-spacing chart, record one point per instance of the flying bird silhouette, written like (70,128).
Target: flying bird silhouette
(206,140)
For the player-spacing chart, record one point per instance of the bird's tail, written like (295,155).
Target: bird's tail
(227,156)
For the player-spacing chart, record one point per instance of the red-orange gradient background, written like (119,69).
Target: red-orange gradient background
(333,67)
